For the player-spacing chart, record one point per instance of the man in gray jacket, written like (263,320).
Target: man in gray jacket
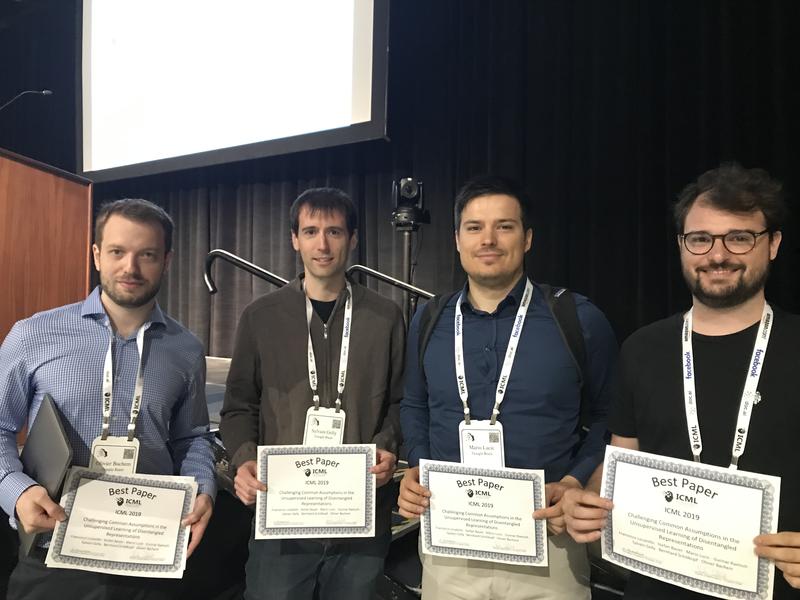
(271,385)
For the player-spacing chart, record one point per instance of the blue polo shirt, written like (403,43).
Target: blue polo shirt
(541,407)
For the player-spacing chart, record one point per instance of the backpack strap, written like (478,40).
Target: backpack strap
(427,322)
(561,303)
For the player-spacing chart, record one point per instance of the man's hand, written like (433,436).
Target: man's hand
(554,513)
(385,467)
(245,483)
(413,499)
(585,513)
(37,512)
(198,520)
(784,550)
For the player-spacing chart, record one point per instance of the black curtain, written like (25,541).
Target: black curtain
(604,109)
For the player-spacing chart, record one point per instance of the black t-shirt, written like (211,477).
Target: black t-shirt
(650,407)
(323,308)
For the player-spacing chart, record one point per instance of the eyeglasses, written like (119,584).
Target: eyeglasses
(735,242)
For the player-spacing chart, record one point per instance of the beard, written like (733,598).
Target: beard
(729,296)
(495,280)
(129,300)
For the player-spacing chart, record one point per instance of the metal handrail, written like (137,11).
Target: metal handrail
(412,289)
(242,264)
(271,277)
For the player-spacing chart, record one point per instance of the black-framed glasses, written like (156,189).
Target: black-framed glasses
(735,242)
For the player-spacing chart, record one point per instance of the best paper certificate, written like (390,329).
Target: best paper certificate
(123,524)
(483,513)
(316,491)
(689,524)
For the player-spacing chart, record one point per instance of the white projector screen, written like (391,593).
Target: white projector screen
(175,84)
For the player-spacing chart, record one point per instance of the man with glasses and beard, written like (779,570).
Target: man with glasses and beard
(117,337)
(728,224)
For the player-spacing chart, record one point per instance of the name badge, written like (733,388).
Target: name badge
(114,455)
(482,444)
(324,427)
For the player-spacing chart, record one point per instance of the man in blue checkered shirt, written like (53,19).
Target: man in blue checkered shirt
(62,352)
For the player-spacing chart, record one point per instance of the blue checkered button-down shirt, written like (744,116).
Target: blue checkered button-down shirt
(62,352)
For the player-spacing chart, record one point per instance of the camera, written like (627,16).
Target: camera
(409,208)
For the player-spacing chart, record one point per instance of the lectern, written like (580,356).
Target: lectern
(45,232)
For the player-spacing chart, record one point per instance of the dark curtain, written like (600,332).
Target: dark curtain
(604,109)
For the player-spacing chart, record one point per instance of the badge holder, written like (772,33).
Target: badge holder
(481,444)
(324,426)
(116,455)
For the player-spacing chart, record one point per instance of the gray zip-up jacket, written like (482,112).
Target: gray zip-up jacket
(268,392)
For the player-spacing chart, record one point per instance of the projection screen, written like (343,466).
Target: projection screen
(176,84)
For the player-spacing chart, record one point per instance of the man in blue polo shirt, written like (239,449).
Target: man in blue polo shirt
(541,403)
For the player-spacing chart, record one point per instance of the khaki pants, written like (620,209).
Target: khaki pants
(566,577)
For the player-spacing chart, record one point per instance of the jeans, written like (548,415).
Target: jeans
(293,569)
(32,580)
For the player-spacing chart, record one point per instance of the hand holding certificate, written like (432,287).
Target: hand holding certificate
(483,513)
(316,491)
(689,524)
(123,524)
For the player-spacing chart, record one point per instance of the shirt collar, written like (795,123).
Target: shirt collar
(513,298)
(299,284)
(93,307)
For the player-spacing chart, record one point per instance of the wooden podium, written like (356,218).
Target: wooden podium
(45,236)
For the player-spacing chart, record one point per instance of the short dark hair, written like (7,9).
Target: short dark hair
(735,189)
(135,209)
(486,185)
(327,200)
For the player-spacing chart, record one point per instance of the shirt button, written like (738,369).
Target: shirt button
(487,349)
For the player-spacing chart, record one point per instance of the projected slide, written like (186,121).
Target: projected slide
(166,79)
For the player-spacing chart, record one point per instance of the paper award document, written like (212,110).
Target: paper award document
(689,524)
(123,524)
(316,491)
(483,513)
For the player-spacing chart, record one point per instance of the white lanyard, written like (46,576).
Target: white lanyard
(748,394)
(511,351)
(343,353)
(108,386)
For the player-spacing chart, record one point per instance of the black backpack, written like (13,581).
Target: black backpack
(562,305)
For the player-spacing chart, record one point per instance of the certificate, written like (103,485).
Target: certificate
(123,524)
(483,513)
(689,524)
(316,492)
